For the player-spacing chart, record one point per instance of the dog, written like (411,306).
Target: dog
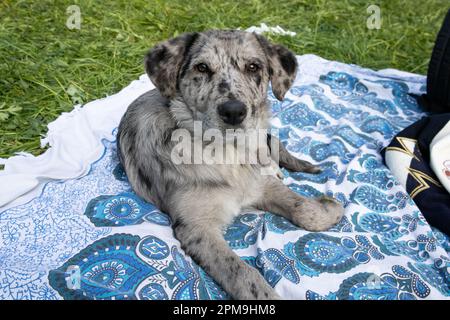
(219,78)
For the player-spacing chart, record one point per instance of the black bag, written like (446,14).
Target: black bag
(437,98)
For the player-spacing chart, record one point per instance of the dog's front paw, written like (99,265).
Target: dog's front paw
(317,214)
(312,169)
(303,166)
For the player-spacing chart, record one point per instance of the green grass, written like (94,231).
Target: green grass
(45,68)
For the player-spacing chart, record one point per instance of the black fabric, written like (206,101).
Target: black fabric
(434,200)
(437,98)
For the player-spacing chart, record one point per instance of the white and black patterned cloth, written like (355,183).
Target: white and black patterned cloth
(419,157)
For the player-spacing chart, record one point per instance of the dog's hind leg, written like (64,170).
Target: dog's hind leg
(314,214)
(201,237)
(287,160)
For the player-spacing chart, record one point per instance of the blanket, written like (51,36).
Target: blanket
(71,227)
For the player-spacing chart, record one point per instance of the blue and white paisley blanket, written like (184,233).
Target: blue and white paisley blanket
(93,238)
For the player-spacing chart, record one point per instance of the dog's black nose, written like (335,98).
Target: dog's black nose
(232,112)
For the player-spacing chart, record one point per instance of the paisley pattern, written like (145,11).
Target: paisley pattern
(374,199)
(108,269)
(401,284)
(301,115)
(316,253)
(351,89)
(94,238)
(123,266)
(376,124)
(379,178)
(123,209)
(323,103)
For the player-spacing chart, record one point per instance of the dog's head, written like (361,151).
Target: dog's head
(221,77)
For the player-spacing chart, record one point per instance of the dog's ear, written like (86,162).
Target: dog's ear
(163,62)
(282,66)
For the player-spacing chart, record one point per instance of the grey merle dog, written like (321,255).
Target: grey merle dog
(221,79)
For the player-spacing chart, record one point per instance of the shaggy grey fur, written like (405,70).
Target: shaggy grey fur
(194,73)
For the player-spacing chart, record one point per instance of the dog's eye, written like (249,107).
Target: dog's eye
(202,67)
(252,67)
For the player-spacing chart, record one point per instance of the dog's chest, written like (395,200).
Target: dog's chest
(240,167)
(245,182)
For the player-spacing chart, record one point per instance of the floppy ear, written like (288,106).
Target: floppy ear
(282,66)
(163,62)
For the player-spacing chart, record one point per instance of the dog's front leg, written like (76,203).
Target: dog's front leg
(287,160)
(203,241)
(314,214)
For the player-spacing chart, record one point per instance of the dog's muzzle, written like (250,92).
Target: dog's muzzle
(232,112)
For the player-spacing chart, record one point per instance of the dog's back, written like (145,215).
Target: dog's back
(143,131)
